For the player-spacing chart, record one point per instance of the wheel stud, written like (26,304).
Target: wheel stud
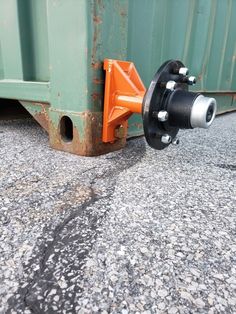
(166,139)
(191,80)
(162,115)
(183,71)
(175,141)
(171,85)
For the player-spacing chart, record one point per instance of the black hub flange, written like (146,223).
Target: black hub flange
(176,102)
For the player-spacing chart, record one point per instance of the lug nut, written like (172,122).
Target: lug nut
(166,139)
(170,85)
(162,116)
(175,141)
(183,71)
(191,80)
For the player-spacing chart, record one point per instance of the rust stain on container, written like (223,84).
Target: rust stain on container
(39,112)
(96,96)
(199,78)
(97,19)
(123,13)
(42,117)
(98,81)
(90,144)
(97,65)
(137,125)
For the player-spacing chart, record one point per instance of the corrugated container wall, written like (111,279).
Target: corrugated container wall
(51,54)
(201,33)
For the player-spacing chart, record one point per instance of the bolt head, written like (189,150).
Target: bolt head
(166,139)
(170,85)
(175,141)
(192,80)
(162,116)
(183,71)
(120,131)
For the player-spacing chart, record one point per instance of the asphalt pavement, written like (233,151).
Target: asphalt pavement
(134,231)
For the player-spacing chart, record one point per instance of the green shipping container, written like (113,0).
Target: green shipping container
(51,54)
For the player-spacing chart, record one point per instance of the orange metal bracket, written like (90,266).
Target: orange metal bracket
(124,92)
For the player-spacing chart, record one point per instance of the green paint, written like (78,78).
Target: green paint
(68,35)
(33,108)
(32,19)
(233,106)
(1,64)
(107,23)
(23,90)
(10,40)
(200,33)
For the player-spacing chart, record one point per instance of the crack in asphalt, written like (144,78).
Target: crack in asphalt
(228,167)
(49,249)
(34,294)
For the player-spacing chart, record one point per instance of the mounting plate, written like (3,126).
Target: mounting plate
(155,101)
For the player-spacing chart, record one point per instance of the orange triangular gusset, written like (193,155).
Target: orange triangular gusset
(124,92)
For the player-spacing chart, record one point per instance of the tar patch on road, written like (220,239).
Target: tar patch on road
(227,167)
(52,277)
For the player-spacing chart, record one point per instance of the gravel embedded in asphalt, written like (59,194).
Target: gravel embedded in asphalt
(134,231)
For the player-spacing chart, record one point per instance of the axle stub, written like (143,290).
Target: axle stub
(168,92)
